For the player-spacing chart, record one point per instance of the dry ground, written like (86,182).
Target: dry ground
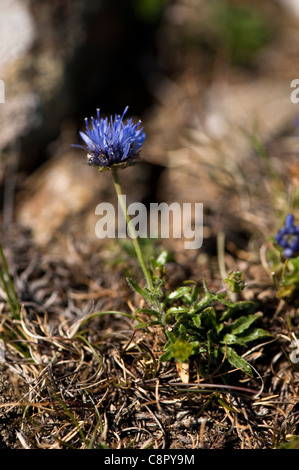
(101,385)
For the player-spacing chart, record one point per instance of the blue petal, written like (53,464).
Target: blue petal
(289,222)
(288,253)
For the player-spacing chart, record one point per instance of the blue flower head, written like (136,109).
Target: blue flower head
(111,142)
(288,238)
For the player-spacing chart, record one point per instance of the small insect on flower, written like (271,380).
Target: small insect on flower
(89,159)
(111,142)
(288,238)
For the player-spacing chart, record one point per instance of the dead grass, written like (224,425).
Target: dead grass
(86,379)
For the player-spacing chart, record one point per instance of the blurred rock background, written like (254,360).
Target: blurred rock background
(210,81)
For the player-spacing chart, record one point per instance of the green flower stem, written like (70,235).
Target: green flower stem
(132,232)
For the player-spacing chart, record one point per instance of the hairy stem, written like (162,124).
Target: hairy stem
(131,230)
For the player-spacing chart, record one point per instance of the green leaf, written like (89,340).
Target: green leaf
(142,325)
(194,293)
(230,338)
(208,317)
(191,297)
(176,310)
(286,291)
(219,327)
(166,356)
(197,320)
(178,293)
(206,289)
(197,347)
(243,307)
(237,361)
(137,288)
(183,328)
(164,258)
(171,338)
(243,323)
(255,334)
(149,311)
(226,405)
(153,263)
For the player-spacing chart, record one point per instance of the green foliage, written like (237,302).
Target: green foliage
(201,323)
(292,443)
(149,11)
(242,29)
(11,331)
